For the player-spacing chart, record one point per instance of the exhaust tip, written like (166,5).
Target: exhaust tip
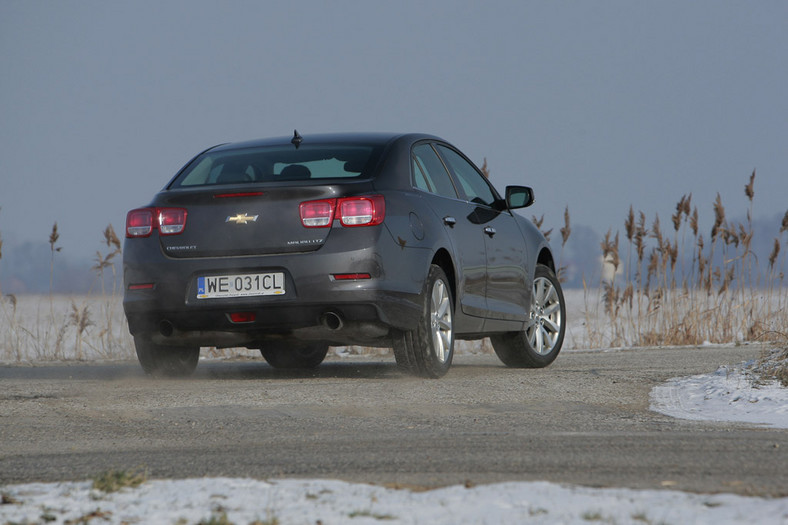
(332,321)
(166,329)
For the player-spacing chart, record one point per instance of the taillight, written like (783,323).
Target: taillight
(317,214)
(141,222)
(368,210)
(361,211)
(172,221)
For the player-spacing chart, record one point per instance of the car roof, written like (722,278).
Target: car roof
(369,138)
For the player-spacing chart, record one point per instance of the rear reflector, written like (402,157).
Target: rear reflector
(243,317)
(350,276)
(144,286)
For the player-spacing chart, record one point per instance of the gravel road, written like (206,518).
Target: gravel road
(583,420)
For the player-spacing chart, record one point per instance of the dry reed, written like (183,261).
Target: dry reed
(53,238)
(694,292)
(80,319)
(538,223)
(566,231)
(485,170)
(68,330)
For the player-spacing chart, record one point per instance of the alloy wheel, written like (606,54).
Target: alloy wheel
(544,323)
(440,320)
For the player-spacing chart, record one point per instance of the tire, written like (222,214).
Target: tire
(428,350)
(166,361)
(538,344)
(294,355)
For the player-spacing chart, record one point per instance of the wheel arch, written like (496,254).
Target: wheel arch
(546,258)
(443,259)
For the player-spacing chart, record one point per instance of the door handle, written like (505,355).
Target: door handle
(449,221)
(489,230)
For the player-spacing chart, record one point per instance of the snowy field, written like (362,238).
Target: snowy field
(725,395)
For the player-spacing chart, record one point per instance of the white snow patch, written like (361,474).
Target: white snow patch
(725,395)
(244,501)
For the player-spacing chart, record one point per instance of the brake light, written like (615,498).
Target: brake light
(237,194)
(362,211)
(368,210)
(317,214)
(142,221)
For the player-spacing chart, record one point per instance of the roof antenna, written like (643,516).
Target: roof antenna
(297,139)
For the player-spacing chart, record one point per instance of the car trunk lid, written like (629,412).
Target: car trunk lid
(233,221)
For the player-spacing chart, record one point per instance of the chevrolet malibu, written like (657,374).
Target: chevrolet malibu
(292,245)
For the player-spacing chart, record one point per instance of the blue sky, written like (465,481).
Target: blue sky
(597,105)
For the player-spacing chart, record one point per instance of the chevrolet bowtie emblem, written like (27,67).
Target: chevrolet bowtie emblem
(242,219)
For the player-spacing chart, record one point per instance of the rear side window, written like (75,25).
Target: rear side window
(274,164)
(429,174)
(473,183)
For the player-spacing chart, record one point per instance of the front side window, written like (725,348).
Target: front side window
(473,183)
(274,164)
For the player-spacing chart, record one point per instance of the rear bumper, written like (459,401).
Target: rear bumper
(314,306)
(362,324)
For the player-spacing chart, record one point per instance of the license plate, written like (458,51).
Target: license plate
(242,285)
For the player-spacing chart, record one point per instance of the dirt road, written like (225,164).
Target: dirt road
(583,420)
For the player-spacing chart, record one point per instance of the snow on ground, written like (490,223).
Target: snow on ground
(244,501)
(729,394)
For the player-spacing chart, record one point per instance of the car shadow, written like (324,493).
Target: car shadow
(210,369)
(78,371)
(206,370)
(259,370)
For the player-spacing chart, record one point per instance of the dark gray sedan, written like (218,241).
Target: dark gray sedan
(292,245)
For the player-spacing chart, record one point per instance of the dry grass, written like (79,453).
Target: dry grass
(679,288)
(773,364)
(57,327)
(115,480)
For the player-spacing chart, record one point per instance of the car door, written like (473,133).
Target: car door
(458,218)
(506,275)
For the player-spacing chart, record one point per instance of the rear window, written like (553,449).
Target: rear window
(275,164)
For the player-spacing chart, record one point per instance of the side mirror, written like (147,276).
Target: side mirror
(519,197)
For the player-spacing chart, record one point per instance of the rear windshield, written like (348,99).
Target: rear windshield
(275,164)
